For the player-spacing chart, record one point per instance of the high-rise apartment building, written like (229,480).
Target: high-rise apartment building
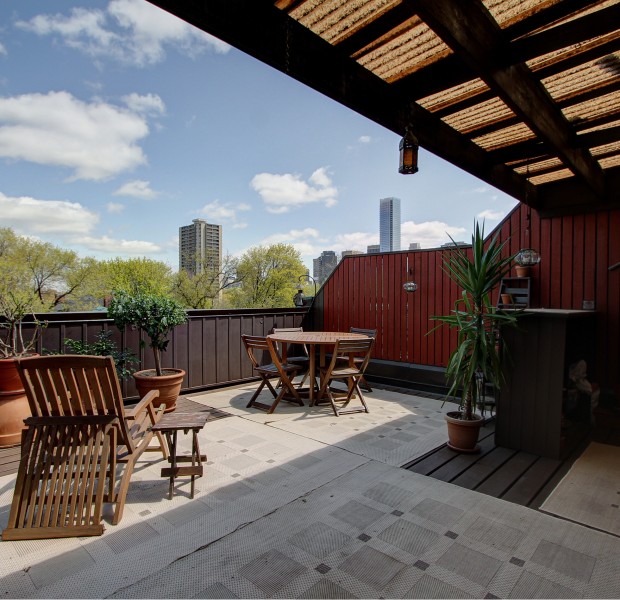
(200,244)
(324,265)
(389,224)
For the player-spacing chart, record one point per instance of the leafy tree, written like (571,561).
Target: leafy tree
(204,288)
(136,276)
(268,277)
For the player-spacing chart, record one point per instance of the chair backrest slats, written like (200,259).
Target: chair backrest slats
(71,385)
(348,348)
(254,344)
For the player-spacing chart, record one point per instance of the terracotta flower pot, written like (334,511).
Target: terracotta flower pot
(506,299)
(522,271)
(463,435)
(168,384)
(14,406)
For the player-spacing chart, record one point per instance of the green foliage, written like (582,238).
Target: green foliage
(476,358)
(269,277)
(204,288)
(18,298)
(153,314)
(124,360)
(136,276)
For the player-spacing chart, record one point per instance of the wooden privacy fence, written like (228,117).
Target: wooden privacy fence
(576,250)
(208,347)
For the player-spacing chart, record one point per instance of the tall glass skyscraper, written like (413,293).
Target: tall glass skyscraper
(389,224)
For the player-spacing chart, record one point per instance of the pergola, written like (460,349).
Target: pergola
(523,94)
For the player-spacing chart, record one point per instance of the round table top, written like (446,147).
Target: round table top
(314,337)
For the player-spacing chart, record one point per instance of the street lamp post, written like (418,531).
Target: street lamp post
(307,276)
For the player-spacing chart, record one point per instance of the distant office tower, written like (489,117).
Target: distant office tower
(200,245)
(389,224)
(415,246)
(324,265)
(373,249)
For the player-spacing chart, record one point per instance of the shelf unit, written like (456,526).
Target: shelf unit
(518,288)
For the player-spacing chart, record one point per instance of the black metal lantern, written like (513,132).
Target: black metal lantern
(408,153)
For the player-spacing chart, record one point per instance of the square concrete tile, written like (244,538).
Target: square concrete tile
(530,585)
(372,567)
(128,538)
(357,514)
(409,537)
(437,512)
(475,566)
(216,590)
(495,534)
(319,539)
(326,589)
(570,562)
(54,569)
(431,587)
(271,571)
(388,494)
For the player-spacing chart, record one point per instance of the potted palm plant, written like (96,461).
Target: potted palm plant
(156,316)
(17,339)
(476,359)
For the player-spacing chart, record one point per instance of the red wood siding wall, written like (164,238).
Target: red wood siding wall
(367,291)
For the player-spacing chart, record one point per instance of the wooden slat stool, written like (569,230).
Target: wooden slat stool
(170,424)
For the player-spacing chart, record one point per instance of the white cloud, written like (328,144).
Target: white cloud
(491,215)
(217,211)
(115,207)
(29,215)
(2,49)
(281,193)
(132,32)
(430,234)
(148,104)
(364,139)
(137,189)
(96,140)
(117,247)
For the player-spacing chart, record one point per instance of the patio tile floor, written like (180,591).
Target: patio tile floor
(296,505)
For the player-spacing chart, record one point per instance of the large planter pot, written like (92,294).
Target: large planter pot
(168,384)
(522,271)
(14,406)
(462,434)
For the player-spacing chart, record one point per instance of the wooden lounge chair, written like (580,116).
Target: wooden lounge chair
(346,365)
(256,346)
(81,396)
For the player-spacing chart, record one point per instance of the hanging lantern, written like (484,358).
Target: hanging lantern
(527,257)
(408,154)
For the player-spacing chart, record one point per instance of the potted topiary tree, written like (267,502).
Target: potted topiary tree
(156,316)
(16,341)
(477,357)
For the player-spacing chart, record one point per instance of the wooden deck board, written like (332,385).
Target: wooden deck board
(530,483)
(482,469)
(501,480)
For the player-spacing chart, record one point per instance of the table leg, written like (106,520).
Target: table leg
(311,369)
(172,442)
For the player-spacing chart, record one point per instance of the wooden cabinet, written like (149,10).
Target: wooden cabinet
(530,404)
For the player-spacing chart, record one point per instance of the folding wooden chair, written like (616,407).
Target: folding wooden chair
(84,390)
(372,333)
(344,366)
(255,346)
(302,359)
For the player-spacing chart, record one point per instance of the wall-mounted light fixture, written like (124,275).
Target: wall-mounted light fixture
(410,286)
(408,153)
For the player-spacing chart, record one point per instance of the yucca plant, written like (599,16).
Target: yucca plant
(476,359)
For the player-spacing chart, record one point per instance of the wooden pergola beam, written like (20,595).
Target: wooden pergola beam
(471,32)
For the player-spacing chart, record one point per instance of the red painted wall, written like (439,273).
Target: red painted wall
(367,290)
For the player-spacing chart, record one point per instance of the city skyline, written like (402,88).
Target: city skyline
(119,123)
(389,224)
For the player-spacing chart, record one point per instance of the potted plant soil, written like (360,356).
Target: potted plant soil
(156,316)
(17,340)
(477,358)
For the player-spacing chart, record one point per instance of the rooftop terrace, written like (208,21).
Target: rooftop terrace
(301,504)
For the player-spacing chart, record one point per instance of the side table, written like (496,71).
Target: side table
(170,424)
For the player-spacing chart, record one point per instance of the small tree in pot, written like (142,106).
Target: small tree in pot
(477,357)
(156,316)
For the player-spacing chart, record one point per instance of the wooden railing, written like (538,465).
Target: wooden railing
(208,347)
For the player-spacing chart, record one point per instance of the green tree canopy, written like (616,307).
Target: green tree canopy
(268,276)
(136,276)
(204,288)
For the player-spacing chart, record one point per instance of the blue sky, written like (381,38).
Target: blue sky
(119,123)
